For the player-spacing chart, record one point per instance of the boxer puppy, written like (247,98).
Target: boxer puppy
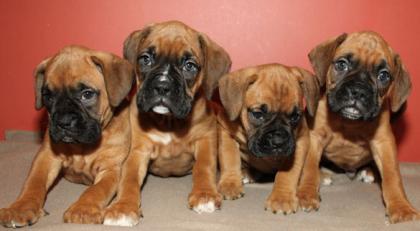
(88,133)
(174,128)
(265,127)
(365,83)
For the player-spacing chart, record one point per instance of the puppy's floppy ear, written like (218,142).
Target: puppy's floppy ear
(322,56)
(132,42)
(402,85)
(232,88)
(310,88)
(216,63)
(39,82)
(118,75)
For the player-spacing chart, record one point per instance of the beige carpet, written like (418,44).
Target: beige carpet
(346,205)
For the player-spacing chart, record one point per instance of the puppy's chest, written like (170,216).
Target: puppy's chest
(348,152)
(79,169)
(170,155)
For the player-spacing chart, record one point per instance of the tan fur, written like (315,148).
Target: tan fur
(352,144)
(281,88)
(96,165)
(166,146)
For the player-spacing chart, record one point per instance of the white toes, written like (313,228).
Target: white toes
(365,177)
(208,207)
(122,221)
(246,180)
(327,181)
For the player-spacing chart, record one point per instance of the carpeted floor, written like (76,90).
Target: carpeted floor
(346,205)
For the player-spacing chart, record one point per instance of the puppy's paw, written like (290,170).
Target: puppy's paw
(83,214)
(397,214)
(204,201)
(308,200)
(21,214)
(366,176)
(282,203)
(122,214)
(231,188)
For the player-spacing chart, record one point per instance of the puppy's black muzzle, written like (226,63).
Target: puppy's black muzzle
(70,123)
(164,94)
(354,100)
(278,142)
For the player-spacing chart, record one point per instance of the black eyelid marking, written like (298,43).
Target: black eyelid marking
(382,66)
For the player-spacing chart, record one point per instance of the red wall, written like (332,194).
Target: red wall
(253,32)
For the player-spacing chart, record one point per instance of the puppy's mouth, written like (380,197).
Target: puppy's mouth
(68,139)
(351,112)
(161,106)
(161,109)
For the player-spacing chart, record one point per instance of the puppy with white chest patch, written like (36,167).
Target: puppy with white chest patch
(265,127)
(174,128)
(88,135)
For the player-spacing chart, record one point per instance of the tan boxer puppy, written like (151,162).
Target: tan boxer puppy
(88,135)
(365,82)
(174,128)
(265,127)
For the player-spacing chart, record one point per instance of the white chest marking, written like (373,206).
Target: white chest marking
(161,138)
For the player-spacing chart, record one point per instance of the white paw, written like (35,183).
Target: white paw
(246,180)
(122,221)
(327,181)
(208,207)
(365,177)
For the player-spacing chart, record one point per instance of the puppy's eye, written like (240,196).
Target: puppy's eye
(87,95)
(47,96)
(257,115)
(342,65)
(190,66)
(384,77)
(145,59)
(294,117)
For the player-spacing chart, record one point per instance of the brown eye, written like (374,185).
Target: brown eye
(87,95)
(342,65)
(145,59)
(257,115)
(47,96)
(384,77)
(190,66)
(294,117)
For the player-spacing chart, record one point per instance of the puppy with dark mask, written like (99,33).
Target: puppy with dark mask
(264,126)
(174,127)
(88,135)
(365,82)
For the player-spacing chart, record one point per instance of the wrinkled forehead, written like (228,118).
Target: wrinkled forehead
(69,70)
(173,40)
(367,48)
(278,88)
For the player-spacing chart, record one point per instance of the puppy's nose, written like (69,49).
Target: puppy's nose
(66,121)
(278,138)
(356,93)
(162,86)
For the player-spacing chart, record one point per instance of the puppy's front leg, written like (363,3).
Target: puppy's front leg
(308,190)
(28,208)
(88,209)
(230,184)
(204,196)
(125,211)
(283,197)
(384,151)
